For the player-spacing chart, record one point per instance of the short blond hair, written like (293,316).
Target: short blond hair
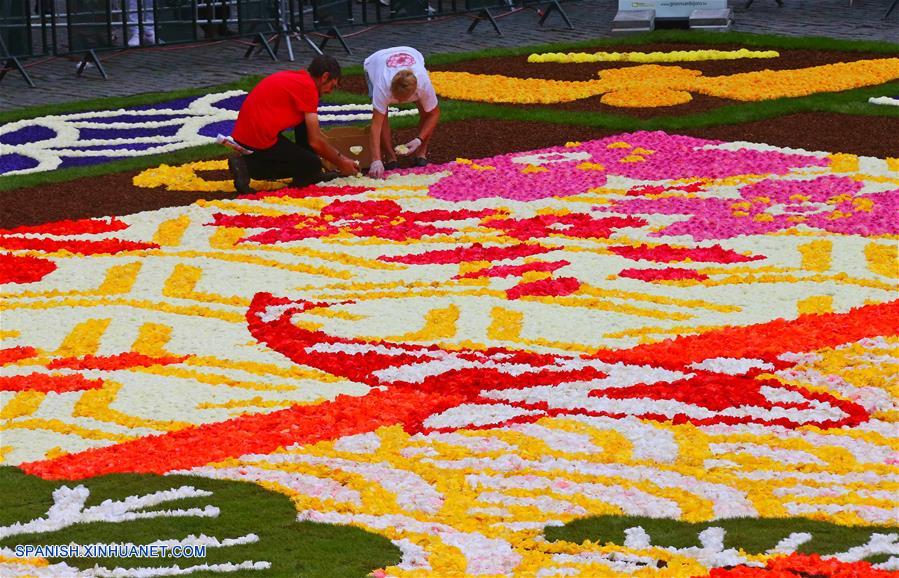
(403,85)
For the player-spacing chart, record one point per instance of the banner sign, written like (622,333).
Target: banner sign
(672,8)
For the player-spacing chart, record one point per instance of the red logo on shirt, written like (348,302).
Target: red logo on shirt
(400,60)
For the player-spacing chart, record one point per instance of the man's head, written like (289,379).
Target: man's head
(325,71)
(403,85)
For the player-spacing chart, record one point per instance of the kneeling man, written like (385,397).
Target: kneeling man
(287,99)
(397,75)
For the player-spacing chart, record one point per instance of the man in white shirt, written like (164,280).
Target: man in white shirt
(397,75)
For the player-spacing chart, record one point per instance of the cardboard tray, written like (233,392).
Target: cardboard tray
(347,139)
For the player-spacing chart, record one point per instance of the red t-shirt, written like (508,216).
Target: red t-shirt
(277,103)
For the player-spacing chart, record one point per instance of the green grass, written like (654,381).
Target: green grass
(296,549)
(867,109)
(752,535)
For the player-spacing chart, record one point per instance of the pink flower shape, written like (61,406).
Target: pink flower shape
(565,171)
(831,203)
(512,177)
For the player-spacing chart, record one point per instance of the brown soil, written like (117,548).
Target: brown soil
(519,67)
(115,195)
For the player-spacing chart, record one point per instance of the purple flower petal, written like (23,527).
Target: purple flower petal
(27,134)
(16,162)
(215,128)
(110,133)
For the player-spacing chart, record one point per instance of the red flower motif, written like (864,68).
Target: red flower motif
(667,254)
(46,383)
(102,247)
(14,354)
(545,288)
(79,227)
(383,219)
(579,225)
(475,252)
(804,566)
(16,269)
(667,274)
(397,400)
(113,362)
(310,191)
(641,190)
(514,270)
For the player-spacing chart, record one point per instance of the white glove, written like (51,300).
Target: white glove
(413,145)
(232,144)
(376,170)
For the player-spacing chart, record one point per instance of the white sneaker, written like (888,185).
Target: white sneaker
(134,40)
(150,38)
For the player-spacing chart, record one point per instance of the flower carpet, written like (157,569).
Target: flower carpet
(557,362)
(681,78)
(884,100)
(660,85)
(79,139)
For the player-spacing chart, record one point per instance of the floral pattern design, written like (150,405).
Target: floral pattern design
(459,356)
(88,138)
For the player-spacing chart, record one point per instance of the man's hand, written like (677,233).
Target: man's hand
(410,147)
(346,166)
(376,170)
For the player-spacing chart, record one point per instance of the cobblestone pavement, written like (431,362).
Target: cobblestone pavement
(182,66)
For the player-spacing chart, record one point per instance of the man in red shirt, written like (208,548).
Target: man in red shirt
(283,100)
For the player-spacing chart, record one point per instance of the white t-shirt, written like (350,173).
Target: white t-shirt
(382,66)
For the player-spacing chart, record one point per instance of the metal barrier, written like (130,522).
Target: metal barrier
(15,37)
(35,28)
(329,17)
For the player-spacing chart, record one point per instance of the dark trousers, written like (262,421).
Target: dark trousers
(287,159)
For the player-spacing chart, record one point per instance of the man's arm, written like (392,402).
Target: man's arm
(428,122)
(323,149)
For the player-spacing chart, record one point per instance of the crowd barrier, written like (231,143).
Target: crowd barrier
(87,28)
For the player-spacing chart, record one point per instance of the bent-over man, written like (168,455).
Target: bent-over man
(397,75)
(283,100)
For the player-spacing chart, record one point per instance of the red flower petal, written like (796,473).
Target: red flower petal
(104,247)
(112,362)
(667,253)
(13,354)
(545,288)
(79,227)
(44,382)
(668,274)
(476,252)
(16,269)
